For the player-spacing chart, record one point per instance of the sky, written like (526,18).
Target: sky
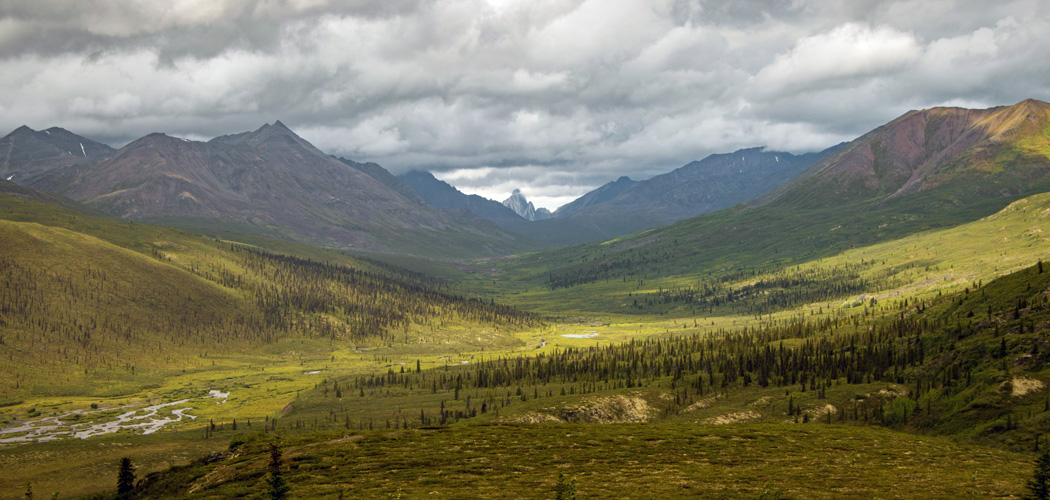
(555,97)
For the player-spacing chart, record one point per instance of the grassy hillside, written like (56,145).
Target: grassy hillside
(610,461)
(859,357)
(929,262)
(788,409)
(928,170)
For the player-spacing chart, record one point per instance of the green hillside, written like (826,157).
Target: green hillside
(96,307)
(891,344)
(610,461)
(728,413)
(929,262)
(927,170)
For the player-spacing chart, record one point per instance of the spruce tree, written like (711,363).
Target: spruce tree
(565,489)
(278,487)
(126,479)
(1039,486)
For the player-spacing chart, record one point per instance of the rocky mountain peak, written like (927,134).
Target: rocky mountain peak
(525,208)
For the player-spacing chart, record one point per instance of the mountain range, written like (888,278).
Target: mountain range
(925,170)
(27,155)
(716,182)
(885,299)
(442,195)
(268,182)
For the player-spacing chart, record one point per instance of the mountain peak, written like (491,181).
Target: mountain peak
(525,208)
(1033,103)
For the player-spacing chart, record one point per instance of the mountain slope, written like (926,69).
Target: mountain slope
(27,155)
(716,182)
(977,153)
(391,181)
(84,291)
(273,183)
(443,196)
(971,164)
(599,195)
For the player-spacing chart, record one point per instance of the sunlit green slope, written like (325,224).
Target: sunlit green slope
(87,302)
(927,170)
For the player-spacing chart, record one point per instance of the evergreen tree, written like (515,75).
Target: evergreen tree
(565,489)
(1039,485)
(126,479)
(278,487)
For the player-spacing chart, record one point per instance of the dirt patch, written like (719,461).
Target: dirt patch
(893,392)
(1025,385)
(761,401)
(609,410)
(347,439)
(537,418)
(703,403)
(826,410)
(734,418)
(614,409)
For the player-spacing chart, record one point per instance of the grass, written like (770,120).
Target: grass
(922,264)
(275,379)
(76,467)
(622,461)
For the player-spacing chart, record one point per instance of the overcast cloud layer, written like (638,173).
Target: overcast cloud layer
(553,96)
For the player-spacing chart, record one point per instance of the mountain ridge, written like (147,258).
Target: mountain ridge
(850,198)
(596,196)
(29,156)
(273,183)
(444,196)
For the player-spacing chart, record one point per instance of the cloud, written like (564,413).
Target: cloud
(848,54)
(552,96)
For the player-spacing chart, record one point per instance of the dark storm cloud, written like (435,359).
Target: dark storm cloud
(553,96)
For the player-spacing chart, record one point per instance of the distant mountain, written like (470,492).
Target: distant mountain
(600,195)
(525,208)
(443,196)
(391,181)
(926,170)
(27,155)
(716,182)
(273,183)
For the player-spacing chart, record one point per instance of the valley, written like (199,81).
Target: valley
(887,336)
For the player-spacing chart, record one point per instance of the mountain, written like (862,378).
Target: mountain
(27,155)
(600,195)
(964,154)
(716,182)
(926,170)
(443,196)
(391,181)
(273,183)
(525,208)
